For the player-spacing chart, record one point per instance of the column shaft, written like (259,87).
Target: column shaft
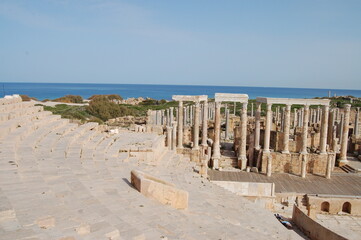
(205,124)
(242,151)
(196,126)
(267,133)
(324,129)
(217,132)
(257,130)
(305,129)
(180,124)
(287,122)
(343,153)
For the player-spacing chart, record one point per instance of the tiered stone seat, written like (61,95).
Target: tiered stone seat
(59,180)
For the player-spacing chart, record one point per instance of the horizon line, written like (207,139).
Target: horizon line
(181,85)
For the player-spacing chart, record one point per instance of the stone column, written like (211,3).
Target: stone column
(305,129)
(168,122)
(181,111)
(169,137)
(185,116)
(234,108)
(267,132)
(205,124)
(171,119)
(191,115)
(176,114)
(343,152)
(174,135)
(242,153)
(287,122)
(227,124)
(324,128)
(294,118)
(251,109)
(257,130)
(196,126)
(331,121)
(304,165)
(217,132)
(269,165)
(329,166)
(357,116)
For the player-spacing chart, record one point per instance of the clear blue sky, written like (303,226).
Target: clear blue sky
(289,43)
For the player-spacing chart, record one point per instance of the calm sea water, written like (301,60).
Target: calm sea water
(55,90)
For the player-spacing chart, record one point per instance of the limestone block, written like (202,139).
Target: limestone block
(83,229)
(113,235)
(46,222)
(157,189)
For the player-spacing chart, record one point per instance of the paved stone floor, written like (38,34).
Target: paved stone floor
(345,225)
(61,181)
(339,184)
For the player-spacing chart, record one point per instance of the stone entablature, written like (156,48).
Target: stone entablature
(190,98)
(231,97)
(294,101)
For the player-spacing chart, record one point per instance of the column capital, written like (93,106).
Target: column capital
(197,103)
(347,107)
(269,106)
(288,107)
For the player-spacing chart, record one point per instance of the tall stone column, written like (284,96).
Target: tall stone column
(329,166)
(205,124)
(304,165)
(217,132)
(227,124)
(294,118)
(287,122)
(196,126)
(357,116)
(257,130)
(174,135)
(185,116)
(324,128)
(331,120)
(242,151)
(191,115)
(251,109)
(171,119)
(169,137)
(267,133)
(269,165)
(180,124)
(234,108)
(305,129)
(343,152)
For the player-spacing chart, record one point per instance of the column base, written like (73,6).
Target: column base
(285,152)
(323,153)
(242,162)
(215,163)
(266,151)
(304,153)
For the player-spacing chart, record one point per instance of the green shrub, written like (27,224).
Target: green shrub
(102,108)
(70,99)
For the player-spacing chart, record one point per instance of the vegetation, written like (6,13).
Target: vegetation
(70,99)
(71,112)
(110,97)
(26,98)
(101,107)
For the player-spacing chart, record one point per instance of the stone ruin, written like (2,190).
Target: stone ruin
(305,141)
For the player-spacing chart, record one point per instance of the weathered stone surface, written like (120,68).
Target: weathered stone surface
(157,189)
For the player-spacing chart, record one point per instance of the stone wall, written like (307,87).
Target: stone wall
(291,163)
(311,228)
(336,205)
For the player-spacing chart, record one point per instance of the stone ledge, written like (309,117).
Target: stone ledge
(157,189)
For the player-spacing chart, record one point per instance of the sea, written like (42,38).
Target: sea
(43,91)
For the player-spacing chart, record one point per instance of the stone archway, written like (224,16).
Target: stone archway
(346,207)
(325,207)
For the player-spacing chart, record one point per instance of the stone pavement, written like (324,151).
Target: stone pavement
(63,181)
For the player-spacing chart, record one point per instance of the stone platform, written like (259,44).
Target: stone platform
(339,184)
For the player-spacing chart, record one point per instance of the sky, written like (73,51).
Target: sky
(270,43)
